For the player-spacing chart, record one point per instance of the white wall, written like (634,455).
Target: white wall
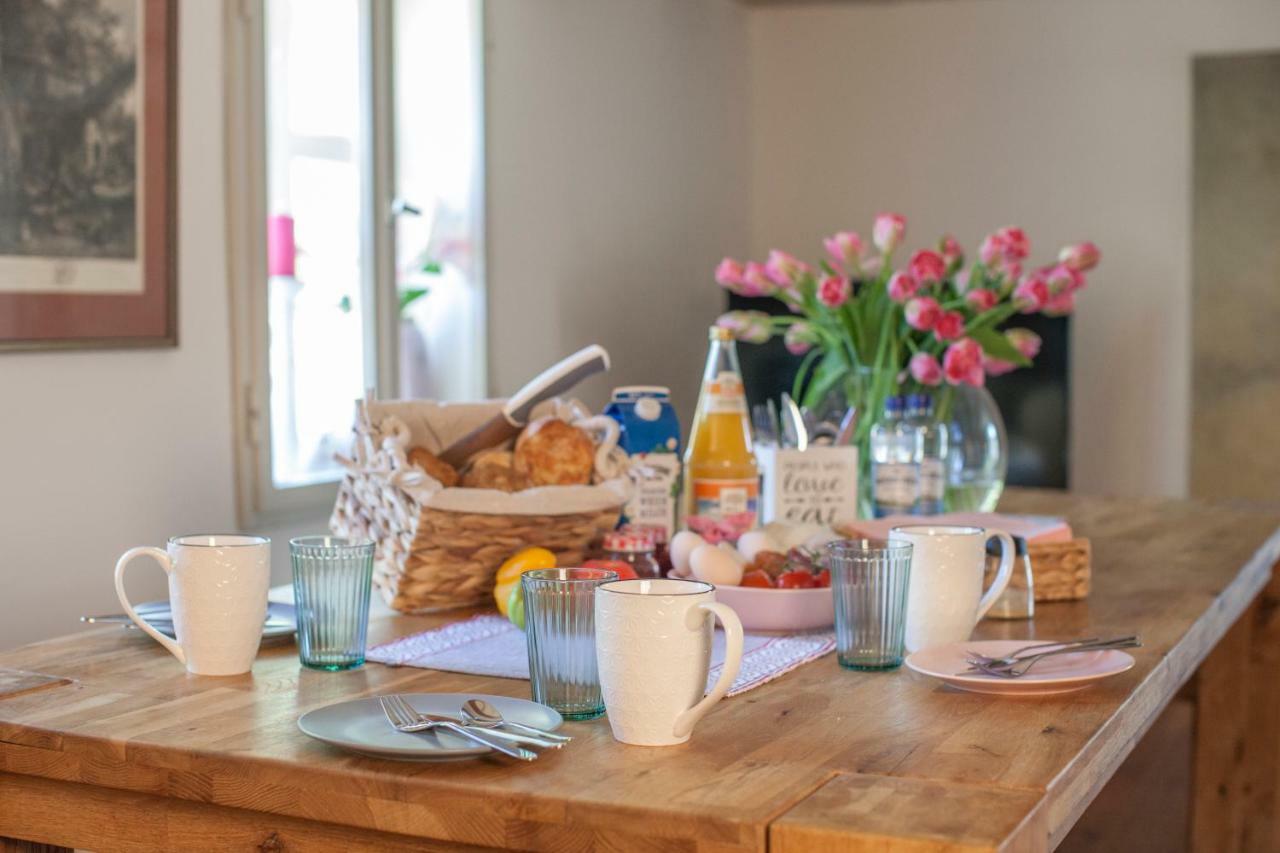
(105,450)
(1072,119)
(617,176)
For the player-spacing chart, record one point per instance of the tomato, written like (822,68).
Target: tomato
(757,578)
(524,560)
(798,579)
(824,578)
(622,567)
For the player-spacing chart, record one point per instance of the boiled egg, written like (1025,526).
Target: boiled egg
(753,542)
(713,565)
(681,548)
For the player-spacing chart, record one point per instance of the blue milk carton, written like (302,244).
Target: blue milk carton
(650,435)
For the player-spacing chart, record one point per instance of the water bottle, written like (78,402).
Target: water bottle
(893,468)
(930,454)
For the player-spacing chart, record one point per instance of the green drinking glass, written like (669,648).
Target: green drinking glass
(332,577)
(560,628)
(869,579)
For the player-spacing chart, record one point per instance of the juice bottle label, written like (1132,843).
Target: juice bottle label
(723,509)
(725,394)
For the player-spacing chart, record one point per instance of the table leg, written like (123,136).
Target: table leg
(1236,769)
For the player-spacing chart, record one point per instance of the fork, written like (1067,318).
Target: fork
(404,718)
(1091,644)
(1023,665)
(1013,655)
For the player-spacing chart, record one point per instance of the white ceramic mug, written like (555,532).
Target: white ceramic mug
(218,595)
(653,650)
(945,598)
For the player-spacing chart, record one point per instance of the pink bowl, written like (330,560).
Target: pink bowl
(763,609)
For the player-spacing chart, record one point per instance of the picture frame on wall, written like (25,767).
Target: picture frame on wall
(88,168)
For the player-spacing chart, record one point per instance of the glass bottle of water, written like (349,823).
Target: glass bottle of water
(893,469)
(930,454)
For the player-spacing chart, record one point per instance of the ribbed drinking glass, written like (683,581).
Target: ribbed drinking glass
(560,627)
(332,577)
(869,580)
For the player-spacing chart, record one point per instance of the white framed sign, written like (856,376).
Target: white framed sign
(814,486)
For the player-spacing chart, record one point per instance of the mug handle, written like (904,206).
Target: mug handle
(1003,574)
(732,662)
(165,563)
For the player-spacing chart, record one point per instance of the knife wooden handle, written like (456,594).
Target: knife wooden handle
(491,433)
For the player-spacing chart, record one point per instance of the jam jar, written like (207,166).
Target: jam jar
(635,549)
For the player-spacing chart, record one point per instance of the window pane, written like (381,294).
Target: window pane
(315,150)
(438,170)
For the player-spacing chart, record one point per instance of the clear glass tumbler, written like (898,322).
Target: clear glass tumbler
(560,627)
(332,577)
(869,580)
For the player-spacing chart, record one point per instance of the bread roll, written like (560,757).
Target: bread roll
(494,469)
(553,453)
(434,466)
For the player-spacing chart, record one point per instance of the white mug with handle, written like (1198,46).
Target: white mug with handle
(945,598)
(218,595)
(653,650)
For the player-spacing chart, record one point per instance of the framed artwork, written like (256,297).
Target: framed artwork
(87,174)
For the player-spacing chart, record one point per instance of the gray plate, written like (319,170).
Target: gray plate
(360,726)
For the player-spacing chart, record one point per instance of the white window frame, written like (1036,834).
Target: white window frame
(258,500)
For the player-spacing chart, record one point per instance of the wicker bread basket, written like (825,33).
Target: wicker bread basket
(439,548)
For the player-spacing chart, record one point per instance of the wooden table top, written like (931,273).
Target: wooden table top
(819,759)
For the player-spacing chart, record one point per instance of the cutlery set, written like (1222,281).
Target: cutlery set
(1018,663)
(478,721)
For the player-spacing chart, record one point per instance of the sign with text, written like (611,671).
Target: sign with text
(814,486)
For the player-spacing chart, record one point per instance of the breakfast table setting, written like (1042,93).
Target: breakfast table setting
(815,626)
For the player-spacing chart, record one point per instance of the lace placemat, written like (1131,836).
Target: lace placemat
(490,645)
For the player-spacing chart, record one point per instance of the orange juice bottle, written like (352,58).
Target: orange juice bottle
(722,483)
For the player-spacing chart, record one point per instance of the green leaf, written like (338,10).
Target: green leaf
(410,295)
(432,267)
(996,345)
(830,370)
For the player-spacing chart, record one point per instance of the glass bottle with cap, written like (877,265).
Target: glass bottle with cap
(1018,601)
(635,549)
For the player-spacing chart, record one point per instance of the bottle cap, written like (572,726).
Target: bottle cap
(627,543)
(720,333)
(893,404)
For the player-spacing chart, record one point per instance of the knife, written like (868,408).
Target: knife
(515,413)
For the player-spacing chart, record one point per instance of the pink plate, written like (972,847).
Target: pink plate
(763,609)
(1060,674)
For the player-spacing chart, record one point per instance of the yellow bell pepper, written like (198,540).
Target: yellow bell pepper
(508,577)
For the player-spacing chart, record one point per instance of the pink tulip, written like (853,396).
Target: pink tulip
(1009,244)
(961,281)
(784,270)
(962,363)
(927,266)
(871,266)
(952,253)
(1060,304)
(729,274)
(950,326)
(1080,257)
(799,338)
(997,366)
(845,250)
(887,232)
(1024,341)
(1031,293)
(1063,279)
(925,369)
(755,281)
(982,299)
(750,327)
(923,313)
(902,286)
(834,291)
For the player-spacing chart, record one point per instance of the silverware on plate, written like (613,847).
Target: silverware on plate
(482,714)
(1017,665)
(403,718)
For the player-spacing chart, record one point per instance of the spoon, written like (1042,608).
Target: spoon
(482,715)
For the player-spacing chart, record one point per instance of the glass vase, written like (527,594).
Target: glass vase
(978,447)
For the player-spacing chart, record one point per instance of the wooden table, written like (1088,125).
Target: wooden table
(136,755)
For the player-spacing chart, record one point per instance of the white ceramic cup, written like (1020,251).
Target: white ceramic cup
(653,650)
(218,595)
(945,598)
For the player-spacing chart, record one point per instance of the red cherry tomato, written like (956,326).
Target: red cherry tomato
(824,578)
(623,568)
(757,578)
(796,580)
